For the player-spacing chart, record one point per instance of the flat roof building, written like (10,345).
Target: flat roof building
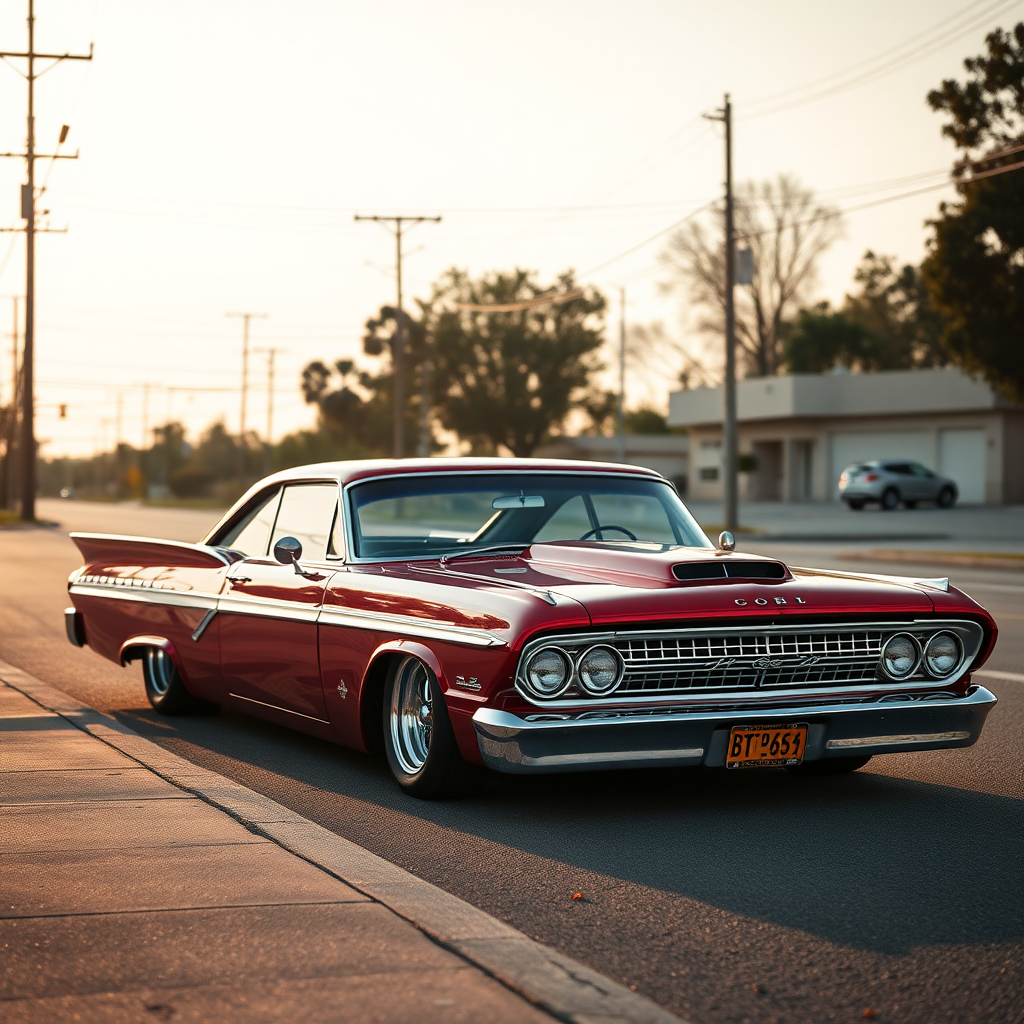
(798,432)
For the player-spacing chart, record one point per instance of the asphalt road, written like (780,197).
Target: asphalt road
(725,897)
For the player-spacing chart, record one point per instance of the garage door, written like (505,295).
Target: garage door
(962,457)
(913,445)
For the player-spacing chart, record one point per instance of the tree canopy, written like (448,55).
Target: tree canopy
(974,270)
(787,230)
(509,380)
(888,323)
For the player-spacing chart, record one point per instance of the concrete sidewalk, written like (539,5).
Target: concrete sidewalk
(124,897)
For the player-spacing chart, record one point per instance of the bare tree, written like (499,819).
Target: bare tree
(787,230)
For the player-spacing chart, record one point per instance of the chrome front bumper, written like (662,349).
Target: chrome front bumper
(599,740)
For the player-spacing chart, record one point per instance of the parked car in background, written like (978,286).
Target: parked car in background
(890,483)
(531,616)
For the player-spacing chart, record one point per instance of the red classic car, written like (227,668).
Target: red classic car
(531,616)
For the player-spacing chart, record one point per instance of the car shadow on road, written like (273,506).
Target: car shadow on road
(870,861)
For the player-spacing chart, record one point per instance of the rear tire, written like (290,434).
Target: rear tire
(830,766)
(946,498)
(418,738)
(856,504)
(890,499)
(166,689)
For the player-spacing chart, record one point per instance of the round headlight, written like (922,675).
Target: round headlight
(900,655)
(548,672)
(942,654)
(600,671)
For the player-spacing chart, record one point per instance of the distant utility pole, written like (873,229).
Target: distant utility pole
(10,469)
(245,317)
(28,213)
(398,350)
(620,431)
(270,353)
(729,428)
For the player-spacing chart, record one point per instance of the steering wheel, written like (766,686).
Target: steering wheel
(601,529)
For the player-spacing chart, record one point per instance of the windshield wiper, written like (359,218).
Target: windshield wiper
(512,549)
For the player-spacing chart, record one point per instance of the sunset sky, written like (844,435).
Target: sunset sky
(226,145)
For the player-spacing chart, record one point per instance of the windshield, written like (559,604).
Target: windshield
(421,516)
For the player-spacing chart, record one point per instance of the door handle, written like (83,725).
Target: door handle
(233,580)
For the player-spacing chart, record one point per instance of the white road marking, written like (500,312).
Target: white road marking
(1013,677)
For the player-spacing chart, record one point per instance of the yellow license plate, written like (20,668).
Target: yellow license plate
(758,746)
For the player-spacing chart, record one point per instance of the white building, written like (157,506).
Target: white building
(799,432)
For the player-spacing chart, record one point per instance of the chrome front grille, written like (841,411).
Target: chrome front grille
(718,661)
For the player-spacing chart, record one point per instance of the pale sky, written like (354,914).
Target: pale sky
(226,144)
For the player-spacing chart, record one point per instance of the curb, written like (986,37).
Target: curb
(563,987)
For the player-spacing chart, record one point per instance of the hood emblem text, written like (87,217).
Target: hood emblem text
(762,601)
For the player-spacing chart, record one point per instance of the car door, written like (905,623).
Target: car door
(269,655)
(925,482)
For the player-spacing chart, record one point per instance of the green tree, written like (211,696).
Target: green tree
(888,323)
(508,380)
(974,270)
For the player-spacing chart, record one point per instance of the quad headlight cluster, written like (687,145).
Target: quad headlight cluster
(550,671)
(903,654)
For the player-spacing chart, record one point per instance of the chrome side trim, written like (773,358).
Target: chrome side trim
(542,593)
(267,607)
(179,598)
(275,707)
(201,628)
(408,625)
(897,741)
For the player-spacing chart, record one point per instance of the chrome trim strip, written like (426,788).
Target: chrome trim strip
(891,741)
(275,707)
(408,625)
(178,598)
(541,592)
(201,628)
(718,697)
(267,607)
(935,583)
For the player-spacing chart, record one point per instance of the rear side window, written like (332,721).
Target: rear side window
(250,532)
(307,513)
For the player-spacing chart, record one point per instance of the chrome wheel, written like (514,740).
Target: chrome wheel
(412,715)
(160,671)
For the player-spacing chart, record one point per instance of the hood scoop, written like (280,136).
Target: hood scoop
(732,569)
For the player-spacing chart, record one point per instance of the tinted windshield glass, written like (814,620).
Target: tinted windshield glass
(410,516)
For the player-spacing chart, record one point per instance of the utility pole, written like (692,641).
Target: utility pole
(10,467)
(620,431)
(398,348)
(245,317)
(729,446)
(270,353)
(28,213)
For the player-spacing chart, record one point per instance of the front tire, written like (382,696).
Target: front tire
(946,498)
(830,766)
(418,738)
(890,499)
(856,504)
(166,689)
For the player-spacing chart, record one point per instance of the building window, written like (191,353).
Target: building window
(709,473)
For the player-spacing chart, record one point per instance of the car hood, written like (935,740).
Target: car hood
(628,584)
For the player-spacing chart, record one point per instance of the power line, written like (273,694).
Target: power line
(968,19)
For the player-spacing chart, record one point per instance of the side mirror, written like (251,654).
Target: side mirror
(288,551)
(726,541)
